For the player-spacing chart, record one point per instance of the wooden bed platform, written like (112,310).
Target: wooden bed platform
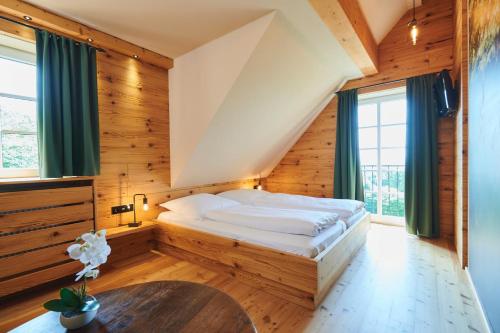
(301,280)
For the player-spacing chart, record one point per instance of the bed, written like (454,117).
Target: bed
(298,268)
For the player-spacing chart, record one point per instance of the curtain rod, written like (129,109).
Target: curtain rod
(388,82)
(382,83)
(373,85)
(39,29)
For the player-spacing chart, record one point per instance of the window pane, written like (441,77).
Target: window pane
(369,173)
(393,112)
(368,156)
(393,179)
(17,115)
(392,156)
(17,78)
(371,202)
(393,136)
(368,138)
(367,115)
(19,151)
(393,205)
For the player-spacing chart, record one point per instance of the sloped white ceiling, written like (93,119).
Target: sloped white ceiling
(283,85)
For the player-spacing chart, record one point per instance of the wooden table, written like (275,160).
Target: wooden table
(164,306)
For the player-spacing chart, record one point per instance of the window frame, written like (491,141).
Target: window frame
(378,99)
(23,57)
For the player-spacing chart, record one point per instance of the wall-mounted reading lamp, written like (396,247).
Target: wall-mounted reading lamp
(145,207)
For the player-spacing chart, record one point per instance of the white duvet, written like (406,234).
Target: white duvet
(288,221)
(343,207)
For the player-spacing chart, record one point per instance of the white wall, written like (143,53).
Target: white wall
(198,84)
(238,120)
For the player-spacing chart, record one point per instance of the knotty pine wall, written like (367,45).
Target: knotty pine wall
(308,167)
(135,147)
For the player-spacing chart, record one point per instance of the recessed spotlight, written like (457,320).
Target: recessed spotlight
(27,18)
(90,40)
(135,56)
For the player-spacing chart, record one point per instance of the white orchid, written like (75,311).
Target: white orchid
(94,251)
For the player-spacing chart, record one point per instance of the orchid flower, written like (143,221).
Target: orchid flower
(94,251)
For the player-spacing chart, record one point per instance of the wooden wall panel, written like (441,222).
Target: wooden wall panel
(399,59)
(135,146)
(308,167)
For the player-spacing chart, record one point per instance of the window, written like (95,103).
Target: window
(18,129)
(382,141)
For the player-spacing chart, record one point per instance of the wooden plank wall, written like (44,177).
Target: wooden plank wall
(134,135)
(308,167)
(461,73)
(399,59)
(135,146)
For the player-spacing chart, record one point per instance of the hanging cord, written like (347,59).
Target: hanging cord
(39,29)
(414,10)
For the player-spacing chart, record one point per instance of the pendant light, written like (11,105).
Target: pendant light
(413,27)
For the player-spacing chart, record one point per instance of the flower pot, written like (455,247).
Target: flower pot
(74,320)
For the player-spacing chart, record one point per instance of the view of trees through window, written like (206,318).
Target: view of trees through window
(382,140)
(18,134)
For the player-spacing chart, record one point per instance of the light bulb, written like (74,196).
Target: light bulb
(414,34)
(145,207)
(259,187)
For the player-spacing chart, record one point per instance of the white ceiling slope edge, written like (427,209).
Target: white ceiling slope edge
(382,15)
(277,94)
(199,82)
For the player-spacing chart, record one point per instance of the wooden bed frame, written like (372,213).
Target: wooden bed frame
(301,280)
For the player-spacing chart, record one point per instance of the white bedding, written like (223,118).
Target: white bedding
(297,244)
(355,218)
(343,207)
(287,221)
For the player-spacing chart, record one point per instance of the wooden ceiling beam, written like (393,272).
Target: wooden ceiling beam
(44,19)
(347,23)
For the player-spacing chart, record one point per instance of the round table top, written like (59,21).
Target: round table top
(163,306)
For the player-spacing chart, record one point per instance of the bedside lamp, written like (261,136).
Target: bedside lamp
(258,186)
(145,207)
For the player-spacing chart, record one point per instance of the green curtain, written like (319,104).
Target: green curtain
(348,182)
(67,114)
(421,170)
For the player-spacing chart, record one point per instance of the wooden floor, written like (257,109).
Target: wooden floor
(396,283)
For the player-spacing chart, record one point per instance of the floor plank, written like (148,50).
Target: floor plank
(396,283)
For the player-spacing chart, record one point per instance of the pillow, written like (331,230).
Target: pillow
(244,196)
(195,206)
